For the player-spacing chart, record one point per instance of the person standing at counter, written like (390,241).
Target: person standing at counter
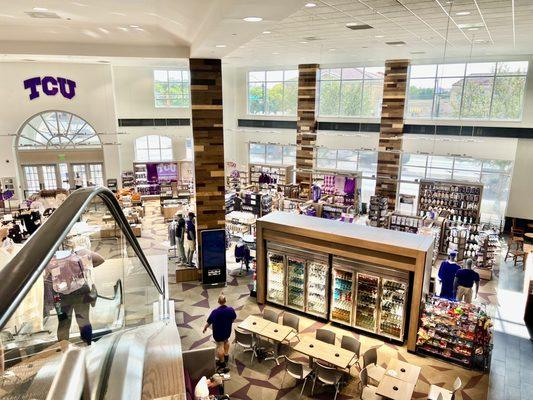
(190,239)
(447,271)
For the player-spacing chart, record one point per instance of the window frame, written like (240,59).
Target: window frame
(264,83)
(284,156)
(185,84)
(158,148)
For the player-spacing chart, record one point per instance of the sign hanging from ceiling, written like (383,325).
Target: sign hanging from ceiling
(50,86)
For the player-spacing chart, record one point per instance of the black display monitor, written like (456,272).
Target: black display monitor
(213,256)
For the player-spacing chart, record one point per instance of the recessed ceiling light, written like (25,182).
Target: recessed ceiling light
(253,19)
(473,29)
(134,26)
(379,36)
(461,13)
(220,46)
(275,53)
(351,24)
(241,47)
(103,30)
(266,32)
(332,49)
(310,5)
(303,42)
(123,28)
(40,9)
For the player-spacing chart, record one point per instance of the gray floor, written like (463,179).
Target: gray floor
(511,376)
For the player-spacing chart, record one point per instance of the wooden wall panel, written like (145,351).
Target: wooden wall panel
(306,121)
(391,131)
(208,138)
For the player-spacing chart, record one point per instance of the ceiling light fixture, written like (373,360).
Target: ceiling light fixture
(134,26)
(252,19)
(351,24)
(310,5)
(266,32)
(332,49)
(303,42)
(40,9)
(220,46)
(275,53)
(379,36)
(462,13)
(473,29)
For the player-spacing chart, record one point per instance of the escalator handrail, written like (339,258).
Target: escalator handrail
(22,271)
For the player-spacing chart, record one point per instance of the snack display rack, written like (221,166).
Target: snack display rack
(455,331)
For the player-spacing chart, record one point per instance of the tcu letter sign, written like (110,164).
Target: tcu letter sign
(50,86)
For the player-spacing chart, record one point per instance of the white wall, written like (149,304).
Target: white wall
(521,195)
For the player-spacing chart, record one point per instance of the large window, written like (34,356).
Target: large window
(351,92)
(276,154)
(476,91)
(153,148)
(272,92)
(171,88)
(362,161)
(494,174)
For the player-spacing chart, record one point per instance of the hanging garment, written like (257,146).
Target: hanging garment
(329,184)
(316,193)
(349,186)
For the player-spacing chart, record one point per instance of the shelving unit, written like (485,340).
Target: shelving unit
(295,282)
(457,332)
(405,223)
(276,278)
(259,204)
(367,302)
(282,174)
(317,288)
(392,308)
(128,179)
(461,199)
(342,297)
(377,211)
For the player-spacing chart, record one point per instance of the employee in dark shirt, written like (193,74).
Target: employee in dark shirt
(465,279)
(221,319)
(447,271)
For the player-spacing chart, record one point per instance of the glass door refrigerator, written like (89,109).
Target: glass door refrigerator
(394,293)
(366,311)
(296,282)
(317,286)
(342,288)
(276,277)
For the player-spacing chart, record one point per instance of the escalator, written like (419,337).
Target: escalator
(84,313)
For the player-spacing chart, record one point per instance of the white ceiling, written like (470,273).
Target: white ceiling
(421,24)
(173,29)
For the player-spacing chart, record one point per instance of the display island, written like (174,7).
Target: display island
(367,278)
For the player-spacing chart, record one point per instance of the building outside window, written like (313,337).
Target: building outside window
(472,91)
(273,92)
(153,148)
(171,88)
(495,175)
(351,92)
(260,153)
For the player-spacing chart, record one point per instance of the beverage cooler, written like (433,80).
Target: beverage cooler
(298,279)
(369,297)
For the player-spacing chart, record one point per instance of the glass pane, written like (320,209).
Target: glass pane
(32,179)
(175,90)
(438,173)
(63,173)
(160,76)
(274,76)
(287,160)
(166,154)
(174,76)
(142,155)
(420,98)
(160,89)
(423,71)
(372,97)
(153,141)
(329,98)
(374,73)
(478,69)
(368,188)
(451,70)
(351,97)
(165,141)
(291,75)
(512,68)
(507,100)
(347,155)
(256,76)
(413,173)
(256,148)
(289,151)
(477,95)
(418,160)
(257,158)
(470,176)
(290,98)
(346,165)
(497,166)
(368,163)
(495,196)
(352,73)
(326,163)
(470,164)
(448,98)
(185,76)
(330,74)
(274,154)
(440,162)
(49,177)
(154,155)
(256,98)
(323,152)
(412,190)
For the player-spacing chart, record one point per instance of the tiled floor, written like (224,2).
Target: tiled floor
(511,376)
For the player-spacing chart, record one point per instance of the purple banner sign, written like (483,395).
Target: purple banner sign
(167,172)
(50,86)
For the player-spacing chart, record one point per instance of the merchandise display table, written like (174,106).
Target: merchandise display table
(403,371)
(395,389)
(329,353)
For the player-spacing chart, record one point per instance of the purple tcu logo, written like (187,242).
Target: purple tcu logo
(50,86)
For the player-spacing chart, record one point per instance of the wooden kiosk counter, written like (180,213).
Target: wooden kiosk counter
(370,279)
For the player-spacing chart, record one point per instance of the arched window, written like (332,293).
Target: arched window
(153,148)
(57,130)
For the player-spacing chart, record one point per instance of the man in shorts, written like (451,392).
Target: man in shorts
(221,320)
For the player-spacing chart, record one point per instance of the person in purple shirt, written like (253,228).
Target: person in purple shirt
(221,320)
(447,272)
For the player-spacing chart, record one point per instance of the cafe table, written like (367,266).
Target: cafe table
(403,371)
(329,353)
(395,389)
(254,324)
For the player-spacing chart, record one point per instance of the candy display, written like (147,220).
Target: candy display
(276,278)
(341,309)
(456,331)
(317,280)
(295,282)
(367,298)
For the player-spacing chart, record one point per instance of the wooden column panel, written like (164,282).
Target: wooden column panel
(208,137)
(306,122)
(391,130)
